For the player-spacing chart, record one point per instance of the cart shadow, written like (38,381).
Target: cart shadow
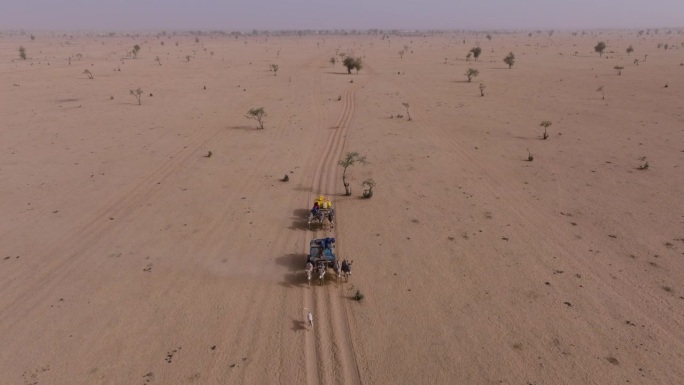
(299,219)
(295,264)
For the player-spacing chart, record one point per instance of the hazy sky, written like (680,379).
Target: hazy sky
(329,14)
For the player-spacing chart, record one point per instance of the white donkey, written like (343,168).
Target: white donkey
(309,272)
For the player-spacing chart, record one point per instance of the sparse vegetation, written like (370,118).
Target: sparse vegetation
(406,105)
(90,74)
(22,52)
(350,159)
(509,59)
(369,184)
(600,47)
(476,51)
(603,94)
(352,63)
(545,124)
(137,94)
(471,73)
(257,114)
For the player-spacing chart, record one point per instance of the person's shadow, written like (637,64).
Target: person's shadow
(298,325)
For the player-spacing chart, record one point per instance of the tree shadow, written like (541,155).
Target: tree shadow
(243,128)
(339,73)
(302,188)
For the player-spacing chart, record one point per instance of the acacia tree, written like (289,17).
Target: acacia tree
(352,63)
(137,94)
(22,52)
(509,59)
(471,73)
(600,47)
(257,114)
(619,69)
(333,60)
(476,52)
(274,68)
(136,49)
(90,74)
(350,159)
(482,88)
(629,50)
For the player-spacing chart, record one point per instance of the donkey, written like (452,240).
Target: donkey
(309,272)
(346,269)
(338,270)
(331,218)
(321,269)
(315,217)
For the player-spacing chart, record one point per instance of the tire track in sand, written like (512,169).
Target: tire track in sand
(329,351)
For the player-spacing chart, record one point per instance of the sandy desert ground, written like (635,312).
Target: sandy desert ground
(129,257)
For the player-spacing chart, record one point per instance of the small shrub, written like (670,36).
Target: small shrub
(358,296)
(482,88)
(406,105)
(530,157)
(22,52)
(90,74)
(643,166)
(369,184)
(603,94)
(546,125)
(257,114)
(274,68)
(286,178)
(209,154)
